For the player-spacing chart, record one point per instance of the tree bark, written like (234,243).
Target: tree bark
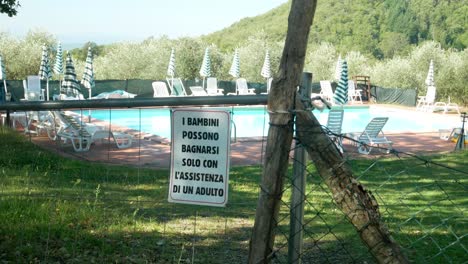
(359,205)
(280,102)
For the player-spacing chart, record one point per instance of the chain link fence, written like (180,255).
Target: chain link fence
(421,201)
(54,209)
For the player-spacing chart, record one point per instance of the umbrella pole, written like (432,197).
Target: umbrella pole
(89,110)
(47,90)
(4,86)
(203,83)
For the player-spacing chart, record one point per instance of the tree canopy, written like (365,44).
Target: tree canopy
(382,29)
(9,7)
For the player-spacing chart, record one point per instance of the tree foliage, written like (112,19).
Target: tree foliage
(9,7)
(382,29)
(394,61)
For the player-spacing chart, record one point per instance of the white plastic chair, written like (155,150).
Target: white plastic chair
(198,91)
(160,89)
(426,102)
(32,88)
(242,88)
(269,81)
(353,94)
(326,91)
(177,87)
(212,87)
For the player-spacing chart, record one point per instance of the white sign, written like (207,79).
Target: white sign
(200,157)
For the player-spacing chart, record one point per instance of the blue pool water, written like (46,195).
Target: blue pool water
(253,121)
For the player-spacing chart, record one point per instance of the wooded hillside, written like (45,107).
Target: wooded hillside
(379,28)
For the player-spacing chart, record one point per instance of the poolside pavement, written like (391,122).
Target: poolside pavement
(155,152)
(150,152)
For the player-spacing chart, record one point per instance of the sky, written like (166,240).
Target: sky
(108,21)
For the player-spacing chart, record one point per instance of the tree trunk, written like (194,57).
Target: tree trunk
(280,102)
(352,198)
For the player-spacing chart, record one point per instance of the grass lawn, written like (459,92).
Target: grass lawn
(54,209)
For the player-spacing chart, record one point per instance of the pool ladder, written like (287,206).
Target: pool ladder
(234,132)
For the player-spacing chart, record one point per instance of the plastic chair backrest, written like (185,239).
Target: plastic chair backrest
(326,88)
(33,88)
(241,85)
(351,87)
(430,94)
(374,128)
(160,89)
(178,87)
(335,121)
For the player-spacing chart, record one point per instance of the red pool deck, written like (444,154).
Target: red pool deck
(155,152)
(146,152)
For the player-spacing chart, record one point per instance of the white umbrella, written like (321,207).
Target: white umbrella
(338,68)
(44,70)
(88,77)
(266,71)
(430,75)
(3,74)
(58,66)
(88,73)
(205,70)
(171,66)
(234,71)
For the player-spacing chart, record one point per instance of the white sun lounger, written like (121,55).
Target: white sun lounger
(82,135)
(373,136)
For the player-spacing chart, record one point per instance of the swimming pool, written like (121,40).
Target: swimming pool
(253,121)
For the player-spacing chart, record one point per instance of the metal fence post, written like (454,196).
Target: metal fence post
(297,205)
(298,190)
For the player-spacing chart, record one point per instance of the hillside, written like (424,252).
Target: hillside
(379,28)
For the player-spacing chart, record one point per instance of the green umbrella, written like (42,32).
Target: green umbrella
(44,70)
(70,85)
(341,94)
(234,71)
(205,70)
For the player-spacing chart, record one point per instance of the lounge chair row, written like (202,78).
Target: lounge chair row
(371,137)
(176,88)
(326,92)
(427,103)
(66,128)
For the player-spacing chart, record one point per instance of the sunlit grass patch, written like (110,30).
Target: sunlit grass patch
(61,210)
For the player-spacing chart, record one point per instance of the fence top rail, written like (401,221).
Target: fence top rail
(136,102)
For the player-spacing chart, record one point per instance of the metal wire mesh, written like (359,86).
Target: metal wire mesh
(421,202)
(70,212)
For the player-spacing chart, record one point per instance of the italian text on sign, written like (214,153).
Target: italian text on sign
(200,157)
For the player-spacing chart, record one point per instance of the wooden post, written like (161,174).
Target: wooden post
(280,103)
